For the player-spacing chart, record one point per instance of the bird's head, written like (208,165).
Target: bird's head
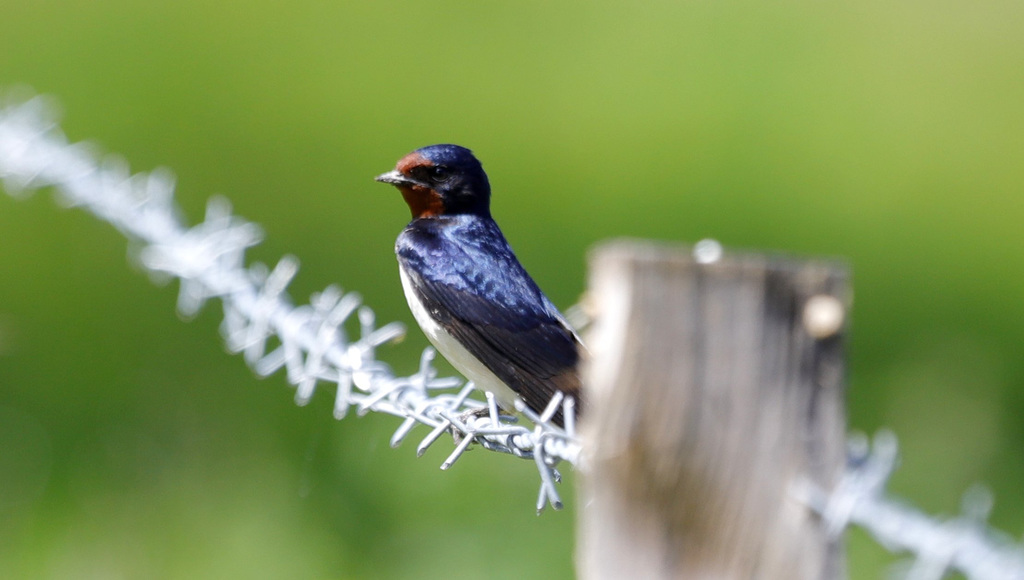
(441,180)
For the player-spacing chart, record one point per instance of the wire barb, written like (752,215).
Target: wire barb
(939,546)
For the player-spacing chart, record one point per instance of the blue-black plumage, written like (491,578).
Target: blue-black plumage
(468,292)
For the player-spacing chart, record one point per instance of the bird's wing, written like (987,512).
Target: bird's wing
(522,340)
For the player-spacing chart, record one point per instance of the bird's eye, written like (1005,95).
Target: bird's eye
(439,172)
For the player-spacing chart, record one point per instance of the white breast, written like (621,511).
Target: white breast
(452,349)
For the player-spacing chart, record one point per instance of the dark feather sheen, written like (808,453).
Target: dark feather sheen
(469,280)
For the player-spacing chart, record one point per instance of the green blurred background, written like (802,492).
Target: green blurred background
(132,446)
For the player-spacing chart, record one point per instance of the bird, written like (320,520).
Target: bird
(467,290)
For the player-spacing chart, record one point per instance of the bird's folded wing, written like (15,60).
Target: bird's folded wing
(528,348)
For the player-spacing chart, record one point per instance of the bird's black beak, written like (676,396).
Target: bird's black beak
(395,177)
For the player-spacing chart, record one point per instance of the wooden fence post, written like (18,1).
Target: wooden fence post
(714,390)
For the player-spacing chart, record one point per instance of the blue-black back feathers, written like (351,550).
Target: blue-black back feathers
(467,277)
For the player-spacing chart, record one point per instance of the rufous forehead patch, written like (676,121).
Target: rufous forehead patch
(411,160)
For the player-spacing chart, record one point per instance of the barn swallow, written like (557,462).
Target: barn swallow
(469,293)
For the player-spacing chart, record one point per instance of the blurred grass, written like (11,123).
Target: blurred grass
(888,134)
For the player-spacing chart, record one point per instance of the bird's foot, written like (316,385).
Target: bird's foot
(467,418)
(472,417)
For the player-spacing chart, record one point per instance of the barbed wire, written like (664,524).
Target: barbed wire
(311,344)
(964,543)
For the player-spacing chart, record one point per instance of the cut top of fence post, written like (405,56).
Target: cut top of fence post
(714,389)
